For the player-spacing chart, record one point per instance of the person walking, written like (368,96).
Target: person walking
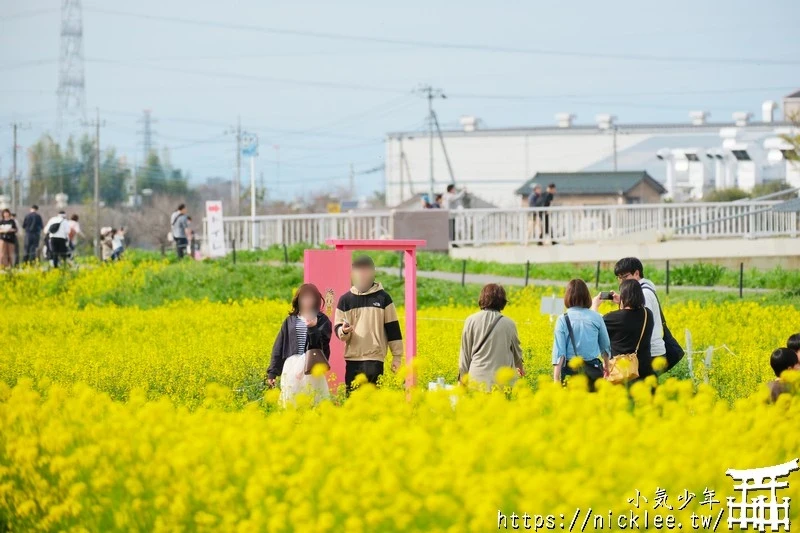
(366,320)
(33,226)
(180,222)
(489,341)
(306,328)
(631,326)
(74,233)
(8,231)
(57,230)
(580,334)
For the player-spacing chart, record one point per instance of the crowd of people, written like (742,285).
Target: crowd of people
(624,346)
(56,240)
(59,244)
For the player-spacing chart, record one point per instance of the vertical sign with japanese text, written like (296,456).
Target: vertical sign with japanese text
(216,233)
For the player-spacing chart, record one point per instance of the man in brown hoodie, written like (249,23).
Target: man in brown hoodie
(366,320)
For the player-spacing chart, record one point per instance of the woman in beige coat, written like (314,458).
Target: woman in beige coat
(489,341)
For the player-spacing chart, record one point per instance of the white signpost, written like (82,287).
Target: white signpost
(216,234)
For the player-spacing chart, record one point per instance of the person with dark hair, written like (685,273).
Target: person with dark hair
(631,268)
(453,198)
(781,360)
(33,225)
(631,326)
(74,233)
(545,200)
(580,333)
(366,320)
(8,230)
(793,343)
(57,230)
(306,328)
(179,223)
(489,341)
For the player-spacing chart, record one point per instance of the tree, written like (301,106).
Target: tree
(725,195)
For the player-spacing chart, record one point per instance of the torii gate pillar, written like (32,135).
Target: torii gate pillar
(329,270)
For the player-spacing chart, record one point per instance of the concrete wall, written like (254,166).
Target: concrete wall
(432,225)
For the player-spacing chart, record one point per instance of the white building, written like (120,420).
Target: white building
(688,159)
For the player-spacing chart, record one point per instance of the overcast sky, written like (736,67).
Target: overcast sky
(322,82)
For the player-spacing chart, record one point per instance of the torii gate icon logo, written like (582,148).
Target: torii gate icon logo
(759,506)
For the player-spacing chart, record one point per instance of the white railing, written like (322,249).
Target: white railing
(568,224)
(309,229)
(571,224)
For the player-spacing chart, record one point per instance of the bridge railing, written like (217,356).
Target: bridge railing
(570,224)
(311,229)
(567,224)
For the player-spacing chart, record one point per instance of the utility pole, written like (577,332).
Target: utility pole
(431,93)
(236,189)
(250,148)
(15,184)
(236,182)
(14,171)
(96,123)
(615,146)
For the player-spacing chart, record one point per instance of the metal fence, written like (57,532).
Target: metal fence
(567,224)
(265,231)
(477,227)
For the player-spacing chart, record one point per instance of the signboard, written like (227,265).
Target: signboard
(216,233)
(334,207)
(552,305)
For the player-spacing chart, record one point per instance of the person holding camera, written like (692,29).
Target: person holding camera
(631,326)
(580,333)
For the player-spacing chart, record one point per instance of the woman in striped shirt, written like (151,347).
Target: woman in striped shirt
(305,328)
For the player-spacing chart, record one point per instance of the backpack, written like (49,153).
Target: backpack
(54,227)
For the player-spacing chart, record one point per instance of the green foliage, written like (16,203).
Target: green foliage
(725,195)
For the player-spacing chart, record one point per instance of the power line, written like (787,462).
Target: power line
(448,45)
(250,77)
(28,13)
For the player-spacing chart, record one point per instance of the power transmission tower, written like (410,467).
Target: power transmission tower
(96,123)
(71,81)
(430,93)
(147,132)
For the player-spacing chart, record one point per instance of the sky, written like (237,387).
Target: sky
(322,82)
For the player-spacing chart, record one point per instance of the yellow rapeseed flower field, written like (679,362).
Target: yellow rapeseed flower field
(127,419)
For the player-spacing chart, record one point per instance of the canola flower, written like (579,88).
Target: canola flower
(126,419)
(72,459)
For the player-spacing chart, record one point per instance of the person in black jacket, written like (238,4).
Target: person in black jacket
(305,328)
(630,326)
(33,225)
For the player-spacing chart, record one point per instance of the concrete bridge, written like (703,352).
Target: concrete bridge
(761,233)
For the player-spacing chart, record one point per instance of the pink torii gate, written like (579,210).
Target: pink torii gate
(329,270)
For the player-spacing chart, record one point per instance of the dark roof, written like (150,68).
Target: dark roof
(790,206)
(795,94)
(591,183)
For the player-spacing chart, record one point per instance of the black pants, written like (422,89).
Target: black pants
(59,250)
(31,247)
(372,369)
(180,245)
